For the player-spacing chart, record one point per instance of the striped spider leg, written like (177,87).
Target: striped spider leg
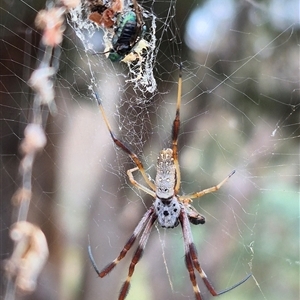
(169,209)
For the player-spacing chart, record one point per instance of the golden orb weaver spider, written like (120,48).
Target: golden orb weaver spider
(169,209)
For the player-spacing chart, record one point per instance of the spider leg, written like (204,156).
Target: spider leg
(125,148)
(193,215)
(193,253)
(137,255)
(137,184)
(138,229)
(192,260)
(188,241)
(205,191)
(175,132)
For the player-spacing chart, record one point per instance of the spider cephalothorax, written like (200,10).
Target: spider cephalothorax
(169,209)
(167,212)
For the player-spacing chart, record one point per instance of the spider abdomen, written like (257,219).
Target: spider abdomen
(167,212)
(165,174)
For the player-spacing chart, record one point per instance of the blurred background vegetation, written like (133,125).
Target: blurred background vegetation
(240,111)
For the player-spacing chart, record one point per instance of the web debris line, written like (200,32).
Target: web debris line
(30,251)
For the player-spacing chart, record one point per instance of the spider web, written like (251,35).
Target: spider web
(240,110)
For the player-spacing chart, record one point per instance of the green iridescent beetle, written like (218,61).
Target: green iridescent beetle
(129,31)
